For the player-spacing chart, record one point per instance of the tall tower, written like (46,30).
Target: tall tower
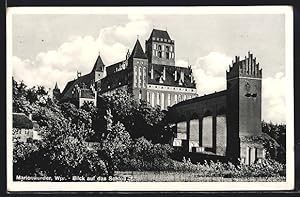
(160,49)
(98,69)
(138,67)
(56,92)
(244,82)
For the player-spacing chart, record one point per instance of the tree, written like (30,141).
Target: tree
(114,145)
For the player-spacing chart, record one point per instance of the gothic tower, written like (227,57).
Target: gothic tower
(160,48)
(244,83)
(99,69)
(56,92)
(138,66)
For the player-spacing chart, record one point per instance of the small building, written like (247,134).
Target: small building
(24,128)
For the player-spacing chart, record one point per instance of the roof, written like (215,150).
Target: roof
(21,121)
(114,80)
(114,67)
(170,79)
(160,34)
(87,93)
(87,79)
(202,98)
(99,65)
(138,51)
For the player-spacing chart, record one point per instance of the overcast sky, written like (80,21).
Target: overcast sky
(51,48)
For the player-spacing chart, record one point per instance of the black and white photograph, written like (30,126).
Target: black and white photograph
(150,98)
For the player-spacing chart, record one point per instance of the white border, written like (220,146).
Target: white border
(158,186)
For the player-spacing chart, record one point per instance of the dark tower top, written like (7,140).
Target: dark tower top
(160,48)
(138,51)
(99,65)
(56,87)
(56,92)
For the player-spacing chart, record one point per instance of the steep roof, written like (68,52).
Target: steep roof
(170,78)
(99,65)
(21,121)
(114,80)
(85,79)
(138,51)
(160,34)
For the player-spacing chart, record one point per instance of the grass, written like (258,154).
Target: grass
(165,176)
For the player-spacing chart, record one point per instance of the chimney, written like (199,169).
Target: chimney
(78,74)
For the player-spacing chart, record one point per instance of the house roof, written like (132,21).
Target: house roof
(138,51)
(99,65)
(87,93)
(160,34)
(21,121)
(87,79)
(170,78)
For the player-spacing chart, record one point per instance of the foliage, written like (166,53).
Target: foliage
(147,156)
(140,119)
(114,144)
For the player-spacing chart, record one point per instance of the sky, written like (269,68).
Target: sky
(50,48)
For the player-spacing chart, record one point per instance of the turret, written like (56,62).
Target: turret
(56,92)
(99,69)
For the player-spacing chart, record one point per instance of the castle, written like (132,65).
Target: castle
(151,76)
(219,124)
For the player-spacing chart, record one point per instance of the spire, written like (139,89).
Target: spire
(99,65)
(56,86)
(138,51)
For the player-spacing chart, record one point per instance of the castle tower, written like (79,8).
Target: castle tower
(160,49)
(138,66)
(244,83)
(98,69)
(56,92)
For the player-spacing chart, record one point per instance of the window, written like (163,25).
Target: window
(169,99)
(162,101)
(135,77)
(175,98)
(144,74)
(140,77)
(184,97)
(152,99)
(154,53)
(157,98)
(167,55)
(167,48)
(148,97)
(159,47)
(154,46)
(159,54)
(140,95)
(163,47)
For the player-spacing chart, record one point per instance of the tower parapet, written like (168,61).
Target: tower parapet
(247,67)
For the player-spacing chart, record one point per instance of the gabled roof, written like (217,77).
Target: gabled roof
(160,34)
(99,65)
(21,121)
(170,78)
(138,51)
